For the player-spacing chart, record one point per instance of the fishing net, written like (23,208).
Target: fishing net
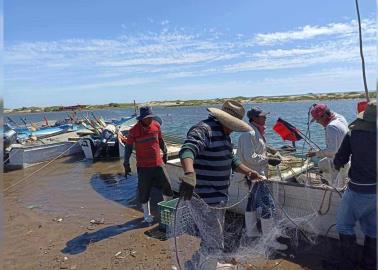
(206,236)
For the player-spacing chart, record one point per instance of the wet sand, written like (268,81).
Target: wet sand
(47,222)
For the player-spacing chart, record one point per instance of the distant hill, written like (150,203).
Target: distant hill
(198,102)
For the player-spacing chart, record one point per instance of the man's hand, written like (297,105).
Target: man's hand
(121,137)
(188,182)
(253,175)
(165,158)
(311,154)
(127,170)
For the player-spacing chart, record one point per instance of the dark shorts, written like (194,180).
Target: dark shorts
(152,176)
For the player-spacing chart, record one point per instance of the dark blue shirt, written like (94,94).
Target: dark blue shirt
(361,147)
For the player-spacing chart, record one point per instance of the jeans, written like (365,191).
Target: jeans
(261,200)
(355,207)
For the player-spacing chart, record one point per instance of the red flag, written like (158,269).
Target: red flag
(287,131)
(361,106)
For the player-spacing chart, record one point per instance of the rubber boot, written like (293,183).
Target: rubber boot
(270,234)
(369,257)
(147,213)
(347,258)
(250,219)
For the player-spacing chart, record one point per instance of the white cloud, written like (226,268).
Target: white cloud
(312,31)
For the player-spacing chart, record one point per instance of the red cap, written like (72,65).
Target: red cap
(318,111)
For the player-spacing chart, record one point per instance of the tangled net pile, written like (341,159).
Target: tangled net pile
(214,237)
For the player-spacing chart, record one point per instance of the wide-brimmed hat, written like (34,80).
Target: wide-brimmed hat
(146,112)
(256,112)
(231,116)
(366,120)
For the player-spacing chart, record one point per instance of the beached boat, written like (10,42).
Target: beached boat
(18,156)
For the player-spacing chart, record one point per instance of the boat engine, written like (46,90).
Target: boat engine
(10,137)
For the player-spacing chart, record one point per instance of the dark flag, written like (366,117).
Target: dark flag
(287,131)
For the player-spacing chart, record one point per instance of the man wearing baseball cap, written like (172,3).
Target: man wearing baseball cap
(253,152)
(336,127)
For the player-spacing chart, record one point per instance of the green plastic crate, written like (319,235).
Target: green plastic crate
(167,211)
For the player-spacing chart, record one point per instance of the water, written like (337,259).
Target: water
(177,120)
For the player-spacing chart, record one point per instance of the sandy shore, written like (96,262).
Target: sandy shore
(47,222)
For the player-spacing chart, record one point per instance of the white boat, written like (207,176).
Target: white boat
(18,156)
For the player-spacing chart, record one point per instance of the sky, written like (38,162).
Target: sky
(72,52)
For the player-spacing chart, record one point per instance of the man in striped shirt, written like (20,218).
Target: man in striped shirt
(207,159)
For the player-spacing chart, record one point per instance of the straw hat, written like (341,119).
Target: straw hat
(231,116)
(366,120)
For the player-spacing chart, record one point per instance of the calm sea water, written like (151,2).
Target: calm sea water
(177,120)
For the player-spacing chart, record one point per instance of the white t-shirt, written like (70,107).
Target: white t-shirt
(334,135)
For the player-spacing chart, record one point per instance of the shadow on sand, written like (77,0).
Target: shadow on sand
(80,243)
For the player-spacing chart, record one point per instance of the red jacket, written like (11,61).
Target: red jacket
(146,142)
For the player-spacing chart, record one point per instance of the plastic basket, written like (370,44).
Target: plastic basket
(167,211)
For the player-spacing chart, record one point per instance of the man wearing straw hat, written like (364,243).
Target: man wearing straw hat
(148,140)
(359,200)
(207,160)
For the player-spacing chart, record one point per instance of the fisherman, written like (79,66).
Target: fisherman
(335,129)
(207,159)
(148,140)
(359,200)
(256,154)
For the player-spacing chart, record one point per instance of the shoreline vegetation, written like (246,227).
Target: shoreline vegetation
(199,102)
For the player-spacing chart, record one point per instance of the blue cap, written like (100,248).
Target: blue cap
(256,112)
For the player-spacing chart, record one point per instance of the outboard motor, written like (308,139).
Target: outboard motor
(10,137)
(108,133)
(108,145)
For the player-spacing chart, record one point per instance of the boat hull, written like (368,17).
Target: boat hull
(21,156)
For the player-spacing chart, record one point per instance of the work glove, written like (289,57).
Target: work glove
(127,170)
(165,158)
(274,160)
(188,182)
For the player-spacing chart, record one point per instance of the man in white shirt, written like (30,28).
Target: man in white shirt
(253,152)
(336,127)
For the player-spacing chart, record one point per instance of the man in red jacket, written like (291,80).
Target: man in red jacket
(147,138)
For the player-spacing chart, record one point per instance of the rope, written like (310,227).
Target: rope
(44,166)
(321,204)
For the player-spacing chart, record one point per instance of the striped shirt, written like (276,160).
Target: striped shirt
(213,156)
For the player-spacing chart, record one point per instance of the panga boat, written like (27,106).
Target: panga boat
(18,156)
